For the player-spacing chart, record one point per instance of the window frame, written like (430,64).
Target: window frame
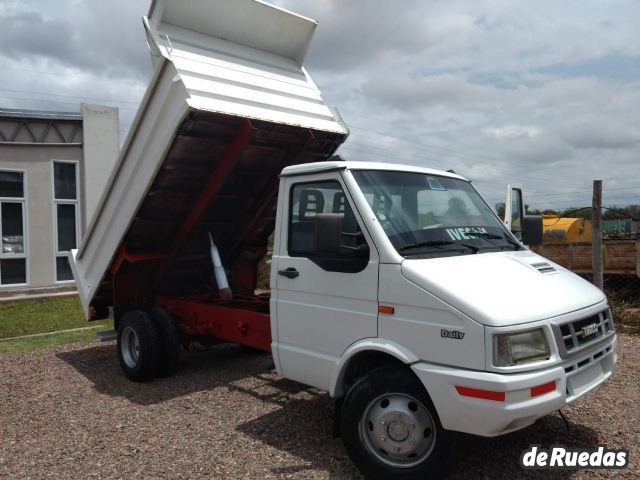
(63,201)
(25,231)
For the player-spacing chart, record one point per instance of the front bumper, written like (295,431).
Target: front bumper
(519,409)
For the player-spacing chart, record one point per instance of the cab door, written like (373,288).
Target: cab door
(324,301)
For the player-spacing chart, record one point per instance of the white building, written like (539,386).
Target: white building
(53,169)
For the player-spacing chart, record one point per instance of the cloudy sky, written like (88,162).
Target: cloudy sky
(545,93)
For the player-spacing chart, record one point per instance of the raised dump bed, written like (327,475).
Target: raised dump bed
(228,107)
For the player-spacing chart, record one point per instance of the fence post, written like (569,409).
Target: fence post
(596,241)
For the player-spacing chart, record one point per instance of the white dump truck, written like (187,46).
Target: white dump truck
(395,288)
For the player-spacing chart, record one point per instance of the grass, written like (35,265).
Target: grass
(46,341)
(38,316)
(43,316)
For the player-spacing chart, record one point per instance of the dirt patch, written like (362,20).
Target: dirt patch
(626,315)
(630,318)
(70,413)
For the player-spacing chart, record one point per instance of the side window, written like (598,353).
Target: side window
(308,202)
(65,200)
(13,245)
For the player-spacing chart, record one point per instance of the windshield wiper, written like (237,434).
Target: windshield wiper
(430,243)
(493,236)
(438,244)
(471,247)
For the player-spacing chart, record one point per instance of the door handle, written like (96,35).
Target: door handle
(289,272)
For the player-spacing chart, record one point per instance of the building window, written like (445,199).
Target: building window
(65,215)
(13,242)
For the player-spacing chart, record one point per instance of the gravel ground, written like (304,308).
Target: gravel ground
(70,413)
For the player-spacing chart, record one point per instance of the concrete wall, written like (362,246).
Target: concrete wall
(101,148)
(36,160)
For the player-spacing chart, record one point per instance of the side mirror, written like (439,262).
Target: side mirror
(514,211)
(328,233)
(532,230)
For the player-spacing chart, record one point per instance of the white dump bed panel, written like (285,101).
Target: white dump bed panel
(240,58)
(250,23)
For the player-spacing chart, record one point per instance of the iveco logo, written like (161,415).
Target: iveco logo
(589,330)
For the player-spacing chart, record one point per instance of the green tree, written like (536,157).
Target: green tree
(500,208)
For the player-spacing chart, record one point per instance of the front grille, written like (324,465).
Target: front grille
(591,358)
(574,335)
(582,363)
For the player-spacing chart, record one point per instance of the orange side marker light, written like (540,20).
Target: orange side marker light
(386,309)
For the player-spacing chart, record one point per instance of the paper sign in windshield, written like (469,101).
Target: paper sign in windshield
(435,184)
(460,233)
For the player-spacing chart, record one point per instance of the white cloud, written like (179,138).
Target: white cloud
(511,132)
(545,93)
(400,91)
(600,132)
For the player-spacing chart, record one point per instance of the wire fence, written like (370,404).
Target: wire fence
(623,293)
(621,267)
(621,257)
(623,288)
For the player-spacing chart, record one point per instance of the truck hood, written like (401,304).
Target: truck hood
(503,288)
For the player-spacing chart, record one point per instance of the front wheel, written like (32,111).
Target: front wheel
(391,429)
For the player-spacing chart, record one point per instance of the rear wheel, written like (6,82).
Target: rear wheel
(391,429)
(139,346)
(170,339)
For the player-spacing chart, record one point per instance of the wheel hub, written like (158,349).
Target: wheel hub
(130,347)
(398,429)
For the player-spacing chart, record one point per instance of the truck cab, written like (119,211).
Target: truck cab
(390,279)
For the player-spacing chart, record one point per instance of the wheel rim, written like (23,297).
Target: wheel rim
(130,347)
(398,430)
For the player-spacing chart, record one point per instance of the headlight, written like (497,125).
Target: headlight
(519,347)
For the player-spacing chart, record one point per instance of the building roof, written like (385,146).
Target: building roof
(39,114)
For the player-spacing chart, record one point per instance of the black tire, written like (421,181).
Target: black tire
(252,351)
(170,339)
(421,447)
(139,346)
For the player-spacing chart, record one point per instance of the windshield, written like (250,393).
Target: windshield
(432,215)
